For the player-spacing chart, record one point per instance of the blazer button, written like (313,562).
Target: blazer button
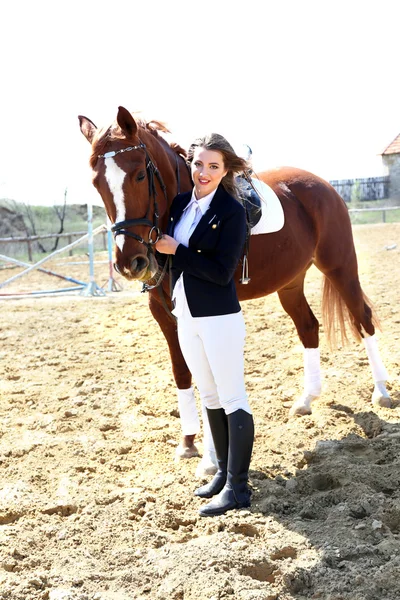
(198,250)
(172,218)
(214,226)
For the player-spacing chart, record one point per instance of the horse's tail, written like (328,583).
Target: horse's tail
(337,318)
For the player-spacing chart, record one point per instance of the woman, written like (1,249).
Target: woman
(207,230)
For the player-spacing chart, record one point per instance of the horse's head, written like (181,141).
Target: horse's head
(131,188)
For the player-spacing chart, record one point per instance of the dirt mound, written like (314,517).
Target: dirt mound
(93,505)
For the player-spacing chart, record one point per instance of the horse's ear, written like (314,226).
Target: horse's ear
(126,121)
(88,128)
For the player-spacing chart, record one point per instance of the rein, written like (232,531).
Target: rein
(168,262)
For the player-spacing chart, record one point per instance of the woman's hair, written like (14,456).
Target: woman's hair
(233,163)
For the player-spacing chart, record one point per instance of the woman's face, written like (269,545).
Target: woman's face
(207,171)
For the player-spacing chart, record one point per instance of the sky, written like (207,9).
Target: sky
(311,84)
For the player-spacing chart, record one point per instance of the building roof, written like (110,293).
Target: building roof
(394,147)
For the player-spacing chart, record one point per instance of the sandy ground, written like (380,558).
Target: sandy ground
(93,505)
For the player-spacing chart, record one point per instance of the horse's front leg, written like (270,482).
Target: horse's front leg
(183,378)
(186,399)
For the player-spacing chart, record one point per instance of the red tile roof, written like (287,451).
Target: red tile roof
(394,147)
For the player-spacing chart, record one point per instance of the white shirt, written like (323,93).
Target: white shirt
(183,230)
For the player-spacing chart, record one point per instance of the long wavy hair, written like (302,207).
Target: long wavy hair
(233,163)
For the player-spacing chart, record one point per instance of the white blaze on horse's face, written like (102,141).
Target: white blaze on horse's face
(115,177)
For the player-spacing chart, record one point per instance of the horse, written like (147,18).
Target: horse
(138,173)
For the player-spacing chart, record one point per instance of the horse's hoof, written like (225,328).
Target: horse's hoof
(183,452)
(379,400)
(302,406)
(299,410)
(207,466)
(380,396)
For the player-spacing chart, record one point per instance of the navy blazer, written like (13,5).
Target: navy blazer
(215,248)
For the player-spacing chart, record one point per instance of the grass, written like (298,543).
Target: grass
(373,217)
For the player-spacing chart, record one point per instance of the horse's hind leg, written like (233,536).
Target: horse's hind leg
(295,304)
(346,284)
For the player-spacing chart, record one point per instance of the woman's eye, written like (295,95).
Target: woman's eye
(197,164)
(141,176)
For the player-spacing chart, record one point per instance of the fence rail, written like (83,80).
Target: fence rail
(31,241)
(381,209)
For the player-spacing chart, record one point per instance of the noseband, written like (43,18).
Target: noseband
(120,228)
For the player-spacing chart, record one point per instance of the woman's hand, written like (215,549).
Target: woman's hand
(167,245)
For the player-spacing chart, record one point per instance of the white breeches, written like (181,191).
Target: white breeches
(213,350)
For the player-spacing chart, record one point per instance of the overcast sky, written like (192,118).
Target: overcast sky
(306,83)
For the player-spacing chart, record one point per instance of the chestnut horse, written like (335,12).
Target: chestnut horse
(137,174)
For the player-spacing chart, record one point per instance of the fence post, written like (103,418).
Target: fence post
(29,249)
(92,289)
(70,253)
(384,216)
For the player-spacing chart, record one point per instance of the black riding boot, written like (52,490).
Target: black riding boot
(236,493)
(219,430)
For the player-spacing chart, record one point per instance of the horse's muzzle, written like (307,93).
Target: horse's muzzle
(139,268)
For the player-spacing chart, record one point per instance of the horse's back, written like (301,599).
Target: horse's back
(325,208)
(306,186)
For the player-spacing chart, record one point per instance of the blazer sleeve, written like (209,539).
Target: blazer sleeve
(221,266)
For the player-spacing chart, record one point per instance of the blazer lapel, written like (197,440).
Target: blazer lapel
(210,216)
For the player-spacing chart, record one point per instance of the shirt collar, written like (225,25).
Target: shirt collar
(203,203)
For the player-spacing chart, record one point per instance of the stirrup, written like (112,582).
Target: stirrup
(245,271)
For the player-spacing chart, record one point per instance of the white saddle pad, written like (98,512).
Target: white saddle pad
(272,216)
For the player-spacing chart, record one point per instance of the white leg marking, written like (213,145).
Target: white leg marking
(115,179)
(189,420)
(312,382)
(380,395)
(379,372)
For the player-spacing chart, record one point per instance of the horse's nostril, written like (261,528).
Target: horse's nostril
(139,263)
(116,268)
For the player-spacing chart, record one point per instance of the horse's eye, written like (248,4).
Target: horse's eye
(141,176)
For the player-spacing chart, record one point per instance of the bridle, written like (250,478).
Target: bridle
(120,228)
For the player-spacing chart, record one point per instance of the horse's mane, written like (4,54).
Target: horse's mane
(106,135)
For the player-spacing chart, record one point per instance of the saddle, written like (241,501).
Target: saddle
(251,202)
(252,205)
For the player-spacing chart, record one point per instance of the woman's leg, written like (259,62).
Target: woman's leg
(223,339)
(193,351)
